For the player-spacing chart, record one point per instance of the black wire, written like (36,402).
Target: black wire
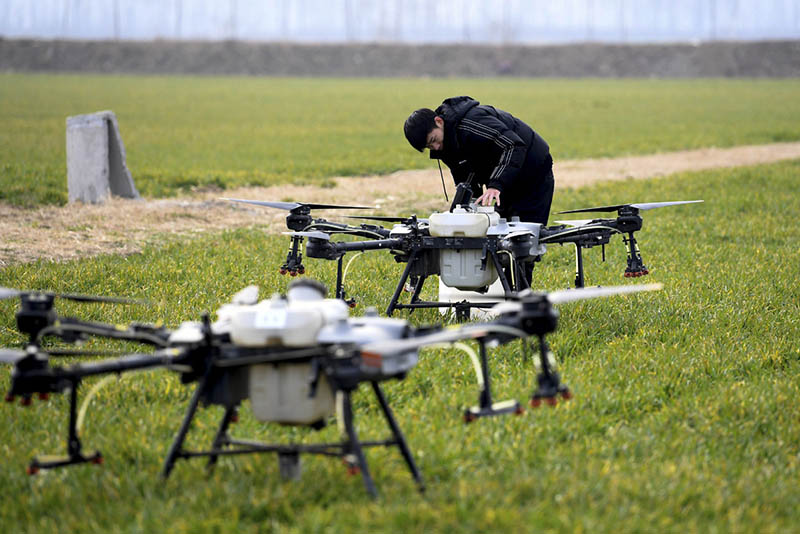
(439,162)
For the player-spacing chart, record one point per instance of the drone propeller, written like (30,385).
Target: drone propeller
(392,347)
(314,234)
(289,206)
(518,233)
(384,218)
(569,295)
(11,356)
(84,352)
(8,293)
(639,206)
(575,222)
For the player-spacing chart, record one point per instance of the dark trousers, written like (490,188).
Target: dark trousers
(533,206)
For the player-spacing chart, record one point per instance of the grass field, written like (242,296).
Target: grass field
(184,132)
(685,415)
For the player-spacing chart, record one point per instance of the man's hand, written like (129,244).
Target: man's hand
(489,196)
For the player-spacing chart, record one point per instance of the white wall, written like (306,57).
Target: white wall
(404,21)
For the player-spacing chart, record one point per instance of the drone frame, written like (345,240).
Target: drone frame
(214,366)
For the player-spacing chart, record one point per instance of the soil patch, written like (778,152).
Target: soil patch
(123,226)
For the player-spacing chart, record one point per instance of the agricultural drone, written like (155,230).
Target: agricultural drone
(297,360)
(470,247)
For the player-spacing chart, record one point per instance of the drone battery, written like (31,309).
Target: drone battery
(281,393)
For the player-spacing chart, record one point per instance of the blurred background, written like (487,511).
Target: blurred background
(404,21)
(404,38)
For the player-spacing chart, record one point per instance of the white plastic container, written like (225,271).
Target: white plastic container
(280,393)
(488,211)
(275,322)
(459,222)
(462,268)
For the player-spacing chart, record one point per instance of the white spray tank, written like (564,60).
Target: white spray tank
(281,392)
(290,322)
(462,268)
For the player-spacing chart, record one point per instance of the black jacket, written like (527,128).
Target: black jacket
(500,150)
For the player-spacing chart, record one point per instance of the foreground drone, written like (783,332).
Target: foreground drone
(470,247)
(297,360)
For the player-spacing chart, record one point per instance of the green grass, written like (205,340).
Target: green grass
(685,415)
(182,133)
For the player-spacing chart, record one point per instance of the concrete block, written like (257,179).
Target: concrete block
(96,166)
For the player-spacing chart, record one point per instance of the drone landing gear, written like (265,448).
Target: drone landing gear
(578,265)
(340,293)
(485,406)
(75,454)
(462,309)
(351,449)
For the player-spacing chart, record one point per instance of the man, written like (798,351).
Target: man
(492,148)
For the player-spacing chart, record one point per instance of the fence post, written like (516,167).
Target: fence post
(96,166)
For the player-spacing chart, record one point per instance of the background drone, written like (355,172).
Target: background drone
(502,252)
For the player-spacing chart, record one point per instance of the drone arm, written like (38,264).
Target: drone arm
(44,379)
(131,362)
(319,248)
(375,244)
(70,330)
(365,230)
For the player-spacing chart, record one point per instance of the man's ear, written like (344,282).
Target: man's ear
(438,121)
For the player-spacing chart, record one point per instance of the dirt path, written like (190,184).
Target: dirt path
(123,226)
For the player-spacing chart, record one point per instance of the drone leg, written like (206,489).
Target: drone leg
(339,288)
(176,448)
(548,380)
(398,436)
(74,449)
(485,406)
(353,445)
(221,438)
(521,277)
(485,398)
(578,265)
(501,274)
(399,288)
(417,289)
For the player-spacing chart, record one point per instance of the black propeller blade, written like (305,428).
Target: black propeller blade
(385,218)
(315,234)
(640,206)
(9,293)
(288,206)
